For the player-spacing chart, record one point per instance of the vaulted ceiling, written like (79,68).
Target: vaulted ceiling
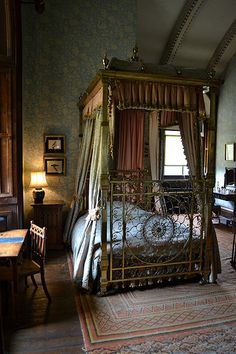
(187,33)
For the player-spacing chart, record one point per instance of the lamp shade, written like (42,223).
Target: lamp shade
(38,180)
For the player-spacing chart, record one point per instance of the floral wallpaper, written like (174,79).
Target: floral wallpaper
(62,50)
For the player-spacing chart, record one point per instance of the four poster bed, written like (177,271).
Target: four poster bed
(127,226)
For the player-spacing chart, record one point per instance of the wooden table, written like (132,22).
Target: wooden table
(11,246)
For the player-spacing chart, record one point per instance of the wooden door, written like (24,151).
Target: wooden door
(10,115)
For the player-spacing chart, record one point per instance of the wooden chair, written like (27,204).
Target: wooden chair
(31,262)
(34,264)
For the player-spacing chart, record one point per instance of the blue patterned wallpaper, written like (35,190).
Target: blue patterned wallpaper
(226,124)
(62,51)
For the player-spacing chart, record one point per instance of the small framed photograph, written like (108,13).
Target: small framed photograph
(230,152)
(54,144)
(55,166)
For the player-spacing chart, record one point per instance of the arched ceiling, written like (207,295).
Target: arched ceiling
(187,33)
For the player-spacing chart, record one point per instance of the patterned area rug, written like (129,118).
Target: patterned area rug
(185,318)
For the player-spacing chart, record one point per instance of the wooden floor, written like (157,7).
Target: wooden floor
(54,328)
(42,327)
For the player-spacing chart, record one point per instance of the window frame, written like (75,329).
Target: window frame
(162,157)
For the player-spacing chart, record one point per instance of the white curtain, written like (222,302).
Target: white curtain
(154,144)
(154,151)
(85,152)
(83,257)
(190,134)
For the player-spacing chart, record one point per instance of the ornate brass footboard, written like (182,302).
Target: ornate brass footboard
(155,232)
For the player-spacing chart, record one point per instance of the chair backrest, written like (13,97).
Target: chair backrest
(38,242)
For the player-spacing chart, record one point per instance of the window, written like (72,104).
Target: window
(175,163)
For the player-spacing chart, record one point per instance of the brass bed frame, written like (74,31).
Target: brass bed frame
(120,262)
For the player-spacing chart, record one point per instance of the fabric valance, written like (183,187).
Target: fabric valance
(94,102)
(159,96)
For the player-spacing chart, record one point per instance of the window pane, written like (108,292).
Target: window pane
(173,170)
(186,170)
(174,153)
(175,163)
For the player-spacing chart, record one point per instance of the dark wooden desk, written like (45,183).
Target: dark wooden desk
(231,198)
(225,196)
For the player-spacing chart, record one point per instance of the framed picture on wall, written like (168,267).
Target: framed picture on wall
(55,166)
(54,144)
(230,152)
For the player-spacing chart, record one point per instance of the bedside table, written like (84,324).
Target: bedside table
(49,214)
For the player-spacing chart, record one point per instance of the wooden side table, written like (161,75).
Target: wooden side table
(49,214)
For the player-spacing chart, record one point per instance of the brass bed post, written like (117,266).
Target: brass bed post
(209,183)
(104,187)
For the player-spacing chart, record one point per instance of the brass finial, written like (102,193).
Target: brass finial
(135,56)
(105,61)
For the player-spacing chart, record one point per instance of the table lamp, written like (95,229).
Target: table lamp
(38,180)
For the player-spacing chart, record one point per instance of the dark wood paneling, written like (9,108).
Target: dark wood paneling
(11,195)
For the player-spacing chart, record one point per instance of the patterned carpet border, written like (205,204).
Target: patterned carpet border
(129,322)
(215,340)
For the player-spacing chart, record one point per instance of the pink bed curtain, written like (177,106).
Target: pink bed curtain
(131,149)
(131,140)
(159,96)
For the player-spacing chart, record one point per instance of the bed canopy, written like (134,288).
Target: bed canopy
(167,96)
